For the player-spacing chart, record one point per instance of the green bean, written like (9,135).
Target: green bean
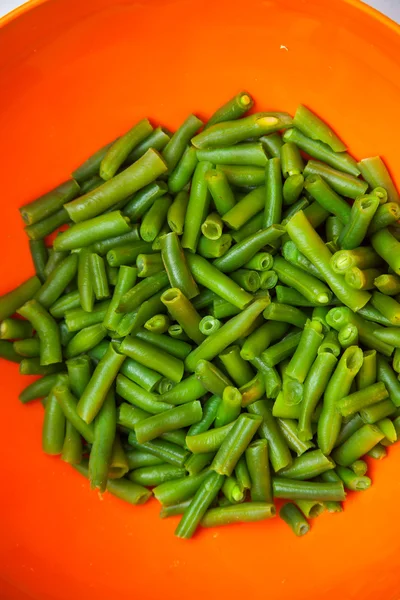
(285,313)
(357,445)
(79,373)
(90,184)
(77,319)
(387,427)
(355,230)
(292,190)
(386,215)
(348,335)
(246,279)
(155,218)
(378,452)
(237,368)
(197,462)
(38,389)
(209,440)
(186,391)
(351,481)
(386,245)
(99,277)
(143,200)
(39,255)
(212,379)
(152,357)
(158,324)
(85,340)
(45,227)
(244,154)
(92,230)
(293,489)
(299,204)
(167,451)
(183,171)
(91,166)
(348,429)
(289,430)
(175,148)
(176,267)
(220,191)
(367,374)
(68,403)
(84,280)
(122,488)
(235,443)
(245,209)
(142,172)
(203,498)
(10,302)
(283,349)
(316,214)
(46,329)
(376,412)
(232,491)
(387,376)
(214,248)
(376,174)
(14,329)
(104,435)
(308,285)
(72,447)
(126,280)
(229,407)
(53,432)
(274,193)
(279,453)
(149,264)
(313,127)
(395,364)
(228,334)
(308,242)
(333,228)
(95,392)
(258,465)
(295,519)
(328,198)
(367,396)
(292,162)
(137,459)
(308,465)
(155,475)
(177,211)
(176,332)
(142,291)
(49,203)
(268,280)
(359,467)
(343,183)
(262,338)
(64,303)
(291,297)
(29,348)
(238,513)
(119,151)
(388,284)
(181,416)
(233,109)
(362,258)
(157,140)
(212,227)
(232,132)
(250,228)
(210,409)
(310,508)
(129,416)
(306,351)
(253,390)
(362,280)
(387,306)
(197,208)
(209,325)
(28,366)
(272,144)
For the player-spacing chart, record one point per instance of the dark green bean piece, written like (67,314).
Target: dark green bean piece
(149,264)
(300,204)
(45,227)
(305,283)
(49,203)
(175,264)
(14,329)
(229,407)
(121,488)
(348,429)
(273,193)
(243,154)
(376,412)
(316,214)
(57,281)
(351,481)
(220,190)
(258,465)
(292,190)
(99,277)
(156,475)
(155,218)
(102,448)
(197,208)
(176,418)
(175,148)
(91,166)
(242,474)
(84,280)
(72,447)
(126,280)
(119,150)
(65,303)
(13,300)
(272,144)
(295,519)
(242,252)
(367,374)
(29,366)
(197,462)
(39,255)
(309,242)
(386,215)
(177,211)
(92,230)
(39,388)
(210,409)
(65,334)
(95,392)
(157,140)
(292,162)
(308,465)
(53,432)
(328,198)
(279,453)
(245,209)
(144,199)
(376,174)
(319,150)
(262,338)
(292,489)
(79,373)
(180,490)
(235,108)
(68,403)
(306,351)
(30,348)
(387,306)
(182,173)
(310,508)
(231,490)
(138,459)
(246,279)
(176,348)
(357,445)
(355,230)
(313,127)
(154,358)
(339,386)
(238,513)
(46,329)
(283,349)
(333,229)
(142,172)
(90,184)
(285,313)
(251,227)
(76,319)
(167,451)
(211,377)
(228,334)
(129,416)
(85,340)
(237,368)
(386,375)
(129,254)
(344,184)
(386,245)
(235,443)
(142,291)
(186,391)
(214,248)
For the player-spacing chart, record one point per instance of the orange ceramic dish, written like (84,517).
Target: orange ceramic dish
(73,75)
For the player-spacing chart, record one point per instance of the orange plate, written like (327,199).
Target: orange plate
(73,75)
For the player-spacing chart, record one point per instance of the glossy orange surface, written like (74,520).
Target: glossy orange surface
(73,75)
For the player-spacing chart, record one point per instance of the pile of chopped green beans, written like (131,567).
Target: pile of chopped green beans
(219,324)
